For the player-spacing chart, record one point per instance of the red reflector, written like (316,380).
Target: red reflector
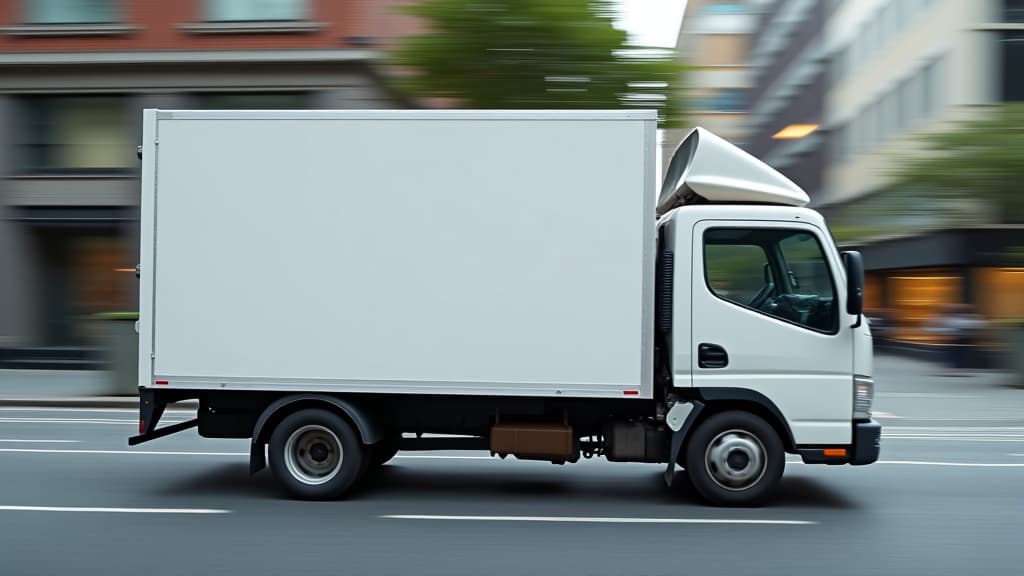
(142,426)
(161,382)
(631,392)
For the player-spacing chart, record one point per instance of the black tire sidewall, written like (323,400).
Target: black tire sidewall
(701,479)
(352,465)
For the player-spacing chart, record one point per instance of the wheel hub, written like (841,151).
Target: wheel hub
(313,454)
(736,460)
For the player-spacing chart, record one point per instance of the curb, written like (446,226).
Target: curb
(98,402)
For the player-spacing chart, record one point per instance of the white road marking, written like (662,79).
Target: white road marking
(953,464)
(597,520)
(952,439)
(452,457)
(114,510)
(136,452)
(923,395)
(886,415)
(443,457)
(21,441)
(14,420)
(954,429)
(974,419)
(1022,455)
(100,410)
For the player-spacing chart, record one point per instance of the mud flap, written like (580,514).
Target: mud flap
(680,419)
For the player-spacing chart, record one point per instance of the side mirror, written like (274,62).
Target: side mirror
(854,264)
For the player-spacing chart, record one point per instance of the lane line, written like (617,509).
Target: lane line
(1003,440)
(94,410)
(966,419)
(1022,455)
(13,420)
(114,510)
(953,464)
(22,441)
(443,457)
(446,457)
(136,452)
(597,520)
(954,428)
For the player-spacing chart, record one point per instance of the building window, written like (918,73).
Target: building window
(1013,10)
(839,142)
(724,100)
(724,8)
(904,105)
(256,10)
(75,133)
(70,11)
(254,101)
(930,89)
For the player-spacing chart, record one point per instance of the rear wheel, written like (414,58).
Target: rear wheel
(316,455)
(735,458)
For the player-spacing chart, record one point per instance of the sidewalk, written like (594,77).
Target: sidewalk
(92,388)
(64,388)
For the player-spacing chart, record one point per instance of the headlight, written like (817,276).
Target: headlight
(863,397)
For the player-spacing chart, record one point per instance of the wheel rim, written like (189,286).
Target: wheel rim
(313,454)
(736,460)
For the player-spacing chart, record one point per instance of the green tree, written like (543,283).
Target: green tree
(523,54)
(978,161)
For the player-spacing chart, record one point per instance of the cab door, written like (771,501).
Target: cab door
(769,317)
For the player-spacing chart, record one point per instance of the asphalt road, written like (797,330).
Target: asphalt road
(947,498)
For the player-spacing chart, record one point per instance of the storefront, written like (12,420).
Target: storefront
(910,282)
(80,263)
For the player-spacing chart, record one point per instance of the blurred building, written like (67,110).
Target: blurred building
(714,40)
(74,78)
(898,69)
(788,85)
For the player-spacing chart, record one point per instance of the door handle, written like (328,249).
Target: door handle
(712,356)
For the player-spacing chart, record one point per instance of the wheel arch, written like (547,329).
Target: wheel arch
(717,400)
(369,430)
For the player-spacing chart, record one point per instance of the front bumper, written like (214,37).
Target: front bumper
(867,443)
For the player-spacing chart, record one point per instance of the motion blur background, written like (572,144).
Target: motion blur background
(897,116)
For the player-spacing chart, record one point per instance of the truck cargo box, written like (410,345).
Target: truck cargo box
(425,252)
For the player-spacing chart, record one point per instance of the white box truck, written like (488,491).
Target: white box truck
(337,286)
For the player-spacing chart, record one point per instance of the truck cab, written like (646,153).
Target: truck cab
(765,309)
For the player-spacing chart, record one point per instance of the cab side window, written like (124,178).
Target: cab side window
(782,273)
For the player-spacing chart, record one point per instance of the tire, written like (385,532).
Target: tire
(735,458)
(316,455)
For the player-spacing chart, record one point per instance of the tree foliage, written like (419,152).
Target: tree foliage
(980,160)
(529,54)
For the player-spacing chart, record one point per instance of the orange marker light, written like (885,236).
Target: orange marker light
(835,452)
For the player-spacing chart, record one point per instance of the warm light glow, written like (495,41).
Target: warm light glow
(124,269)
(795,131)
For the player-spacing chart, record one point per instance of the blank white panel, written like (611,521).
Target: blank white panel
(500,253)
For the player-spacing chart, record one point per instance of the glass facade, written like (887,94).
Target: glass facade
(71,133)
(70,11)
(255,10)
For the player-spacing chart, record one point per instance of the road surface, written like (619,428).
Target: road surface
(946,498)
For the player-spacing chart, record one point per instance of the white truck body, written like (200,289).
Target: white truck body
(341,285)
(399,252)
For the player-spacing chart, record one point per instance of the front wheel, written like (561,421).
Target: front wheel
(316,455)
(735,458)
